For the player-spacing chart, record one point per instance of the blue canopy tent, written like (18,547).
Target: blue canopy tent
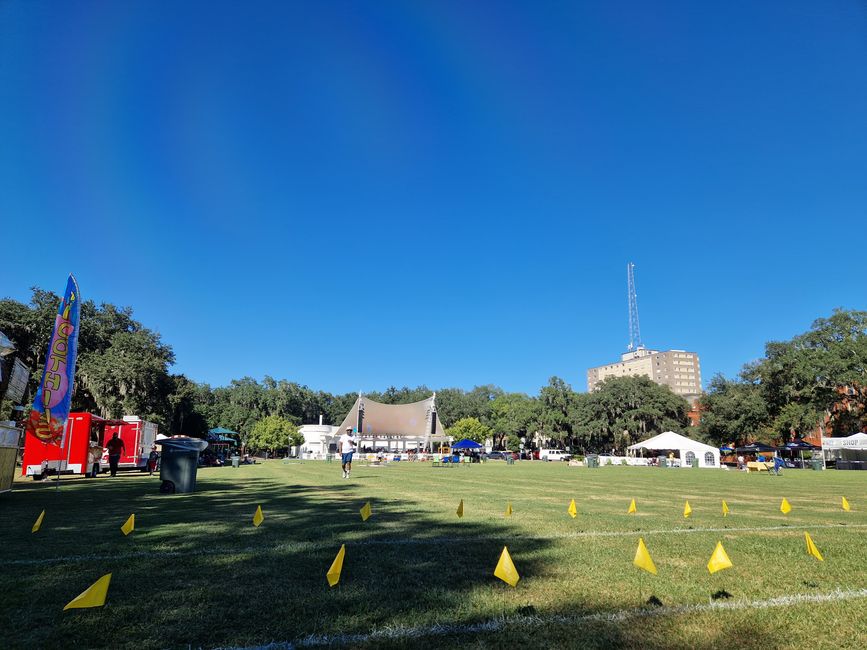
(466,444)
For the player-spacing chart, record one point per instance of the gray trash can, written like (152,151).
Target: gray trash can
(591,460)
(662,461)
(178,463)
(817,463)
(236,461)
(694,462)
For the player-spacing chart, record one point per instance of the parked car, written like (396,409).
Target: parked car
(500,455)
(554,454)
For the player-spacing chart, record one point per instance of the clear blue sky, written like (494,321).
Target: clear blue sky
(358,194)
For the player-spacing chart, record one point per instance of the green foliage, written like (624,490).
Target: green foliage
(471,429)
(513,442)
(734,412)
(624,410)
(512,415)
(273,432)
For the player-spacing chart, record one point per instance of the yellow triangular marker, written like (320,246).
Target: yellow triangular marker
(725,508)
(642,558)
(506,570)
(632,509)
(811,548)
(845,504)
(129,526)
(719,560)
(38,523)
(333,575)
(93,596)
(687,511)
(785,508)
(258,518)
(573,511)
(460,511)
(365,511)
(509,512)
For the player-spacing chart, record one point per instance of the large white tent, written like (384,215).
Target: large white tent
(686,448)
(852,447)
(395,426)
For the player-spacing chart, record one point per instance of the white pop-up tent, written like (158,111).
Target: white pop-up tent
(852,447)
(686,448)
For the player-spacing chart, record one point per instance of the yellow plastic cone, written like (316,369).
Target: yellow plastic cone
(719,560)
(811,548)
(785,508)
(258,518)
(573,511)
(333,575)
(509,510)
(38,524)
(845,504)
(93,596)
(642,558)
(687,511)
(632,509)
(506,570)
(725,508)
(460,511)
(365,511)
(129,526)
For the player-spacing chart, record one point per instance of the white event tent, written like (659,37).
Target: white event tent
(686,448)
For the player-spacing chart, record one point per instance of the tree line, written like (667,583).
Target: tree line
(816,379)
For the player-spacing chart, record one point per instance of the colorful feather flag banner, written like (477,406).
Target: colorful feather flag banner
(93,596)
(506,570)
(811,548)
(54,395)
(642,558)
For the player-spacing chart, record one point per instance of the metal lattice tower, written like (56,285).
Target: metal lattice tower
(634,327)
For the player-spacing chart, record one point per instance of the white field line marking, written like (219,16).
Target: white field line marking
(312,546)
(495,625)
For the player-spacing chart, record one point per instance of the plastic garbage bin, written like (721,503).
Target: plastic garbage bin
(694,462)
(817,463)
(591,460)
(662,461)
(236,461)
(178,463)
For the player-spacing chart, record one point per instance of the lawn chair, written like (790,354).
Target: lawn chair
(779,464)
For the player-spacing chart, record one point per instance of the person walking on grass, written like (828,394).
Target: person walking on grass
(115,448)
(346,446)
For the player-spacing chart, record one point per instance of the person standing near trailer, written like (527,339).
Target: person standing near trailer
(115,448)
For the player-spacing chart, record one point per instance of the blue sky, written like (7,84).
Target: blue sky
(358,194)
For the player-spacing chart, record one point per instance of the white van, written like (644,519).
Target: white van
(553,454)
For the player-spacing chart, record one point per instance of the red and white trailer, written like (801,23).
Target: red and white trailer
(83,446)
(138,436)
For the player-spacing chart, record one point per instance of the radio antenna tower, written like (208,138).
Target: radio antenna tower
(634,327)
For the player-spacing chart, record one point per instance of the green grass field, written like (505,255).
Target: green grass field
(197,573)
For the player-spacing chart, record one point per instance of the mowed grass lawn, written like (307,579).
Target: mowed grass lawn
(197,573)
